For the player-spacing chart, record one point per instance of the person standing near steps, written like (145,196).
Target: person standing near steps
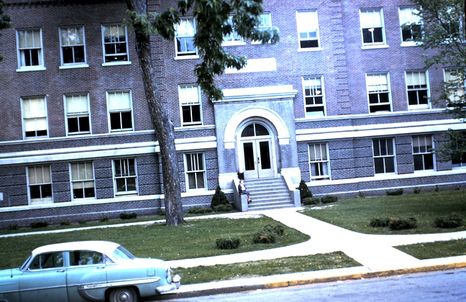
(242,190)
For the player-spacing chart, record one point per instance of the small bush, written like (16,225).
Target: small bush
(65,223)
(311,201)
(394,192)
(264,237)
(218,198)
(417,190)
(449,222)
(125,216)
(39,224)
(397,224)
(304,191)
(223,208)
(200,210)
(276,229)
(329,199)
(379,222)
(103,219)
(228,243)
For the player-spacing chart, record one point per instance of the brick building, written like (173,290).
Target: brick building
(343,101)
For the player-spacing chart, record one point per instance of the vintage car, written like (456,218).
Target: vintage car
(86,271)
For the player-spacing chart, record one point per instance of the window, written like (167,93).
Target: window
(34,117)
(372,27)
(308,29)
(85,258)
(30,54)
(82,180)
(265,23)
(120,110)
(115,43)
(418,92)
(384,155)
(232,38)
(423,152)
(73,51)
(313,96)
(184,37)
(411,26)
(77,114)
(378,90)
(195,171)
(40,184)
(454,87)
(125,176)
(47,260)
(319,162)
(190,105)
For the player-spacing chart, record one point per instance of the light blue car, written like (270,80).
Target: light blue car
(86,271)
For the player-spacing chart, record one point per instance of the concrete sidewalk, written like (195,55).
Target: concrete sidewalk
(375,253)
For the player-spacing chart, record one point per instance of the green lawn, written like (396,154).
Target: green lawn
(435,249)
(265,268)
(191,240)
(355,214)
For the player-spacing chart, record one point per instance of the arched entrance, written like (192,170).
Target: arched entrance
(256,150)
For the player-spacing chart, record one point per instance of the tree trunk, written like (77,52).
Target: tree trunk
(163,126)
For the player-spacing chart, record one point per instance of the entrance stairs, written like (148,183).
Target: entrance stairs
(268,193)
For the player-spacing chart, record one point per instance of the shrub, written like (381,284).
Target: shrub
(39,224)
(264,237)
(379,222)
(397,224)
(276,229)
(199,210)
(310,201)
(103,219)
(218,198)
(417,190)
(128,216)
(228,243)
(394,192)
(449,222)
(223,208)
(304,191)
(329,199)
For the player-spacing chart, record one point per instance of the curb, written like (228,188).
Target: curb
(289,280)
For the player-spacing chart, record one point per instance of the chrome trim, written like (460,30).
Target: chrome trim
(119,283)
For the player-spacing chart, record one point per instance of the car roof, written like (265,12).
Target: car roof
(105,247)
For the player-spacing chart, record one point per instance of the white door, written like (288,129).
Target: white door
(256,156)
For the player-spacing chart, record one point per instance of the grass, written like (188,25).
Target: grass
(355,214)
(265,268)
(191,240)
(435,249)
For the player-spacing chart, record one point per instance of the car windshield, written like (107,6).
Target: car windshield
(121,253)
(23,267)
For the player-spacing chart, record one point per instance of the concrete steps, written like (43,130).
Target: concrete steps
(268,193)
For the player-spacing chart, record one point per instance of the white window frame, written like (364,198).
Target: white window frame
(73,30)
(365,23)
(422,141)
(314,91)
(104,28)
(454,91)
(322,163)
(307,25)
(78,114)
(427,88)
(82,182)
(378,88)
(232,39)
(22,50)
(190,35)
(264,24)
(187,100)
(39,117)
(125,167)
(409,16)
(197,168)
(111,110)
(46,173)
(388,142)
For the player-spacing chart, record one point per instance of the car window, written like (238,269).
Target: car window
(47,260)
(122,253)
(84,257)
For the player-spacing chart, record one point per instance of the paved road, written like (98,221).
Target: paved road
(426,287)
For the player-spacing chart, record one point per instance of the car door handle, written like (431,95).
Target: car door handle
(60,271)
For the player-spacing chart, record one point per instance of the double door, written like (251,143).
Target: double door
(257,158)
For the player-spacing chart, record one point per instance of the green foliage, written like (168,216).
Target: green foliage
(228,243)
(269,234)
(329,199)
(394,192)
(219,198)
(200,210)
(397,224)
(223,208)
(449,222)
(126,216)
(304,191)
(379,222)
(308,201)
(39,224)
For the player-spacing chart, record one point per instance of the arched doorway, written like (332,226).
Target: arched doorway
(256,150)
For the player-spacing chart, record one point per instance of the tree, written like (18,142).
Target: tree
(4,20)
(211,18)
(444,34)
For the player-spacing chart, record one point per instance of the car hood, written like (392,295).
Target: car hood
(8,282)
